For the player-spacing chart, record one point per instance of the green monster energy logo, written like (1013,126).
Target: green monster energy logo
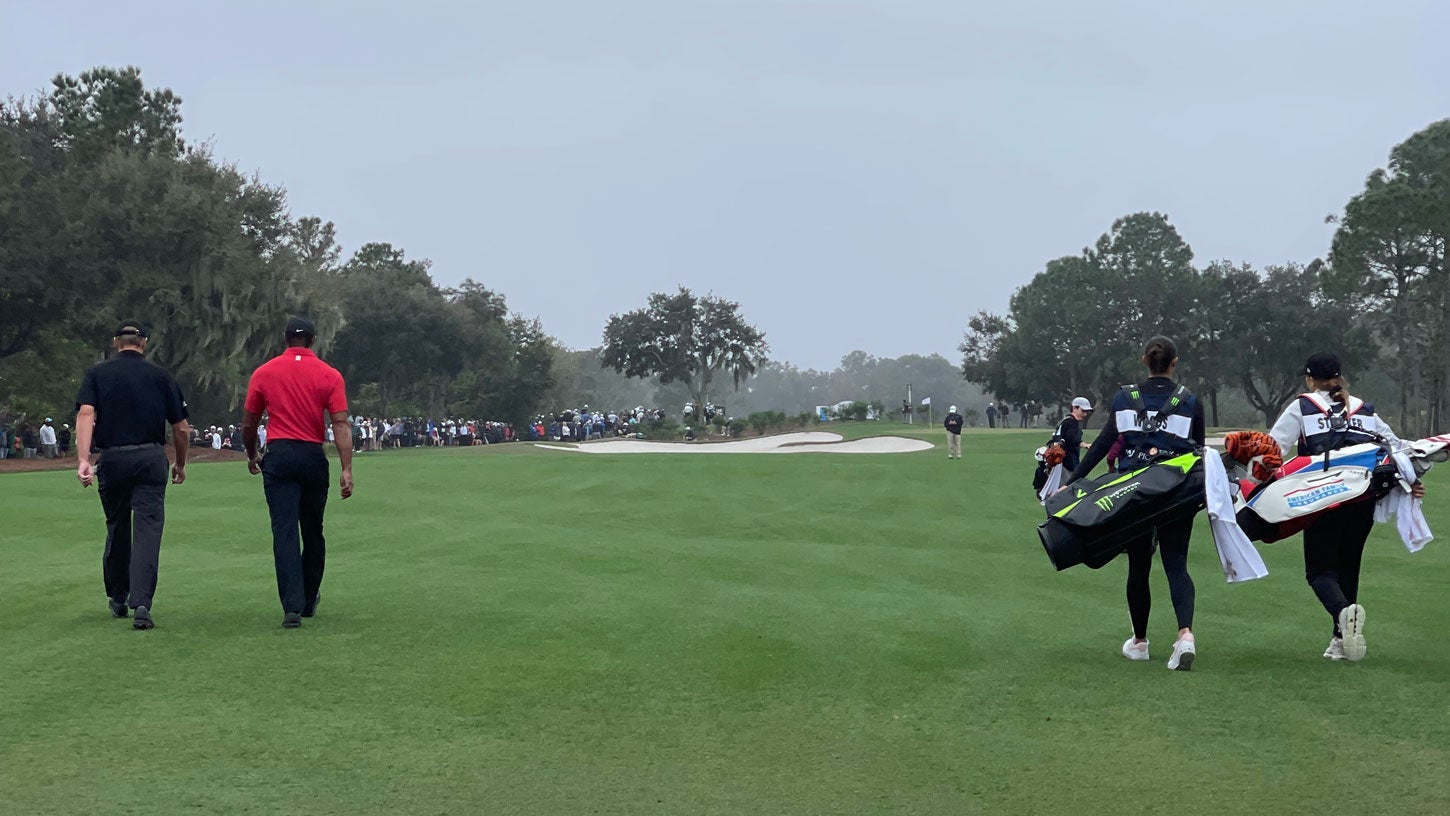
(1183,463)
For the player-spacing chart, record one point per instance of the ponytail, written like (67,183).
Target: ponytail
(1159,355)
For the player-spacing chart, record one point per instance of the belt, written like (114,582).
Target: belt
(131,447)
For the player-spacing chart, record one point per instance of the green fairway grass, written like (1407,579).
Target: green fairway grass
(517,631)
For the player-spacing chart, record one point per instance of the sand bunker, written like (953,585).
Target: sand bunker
(810,442)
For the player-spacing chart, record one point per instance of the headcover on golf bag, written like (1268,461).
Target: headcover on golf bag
(1048,457)
(1255,451)
(1426,453)
(1094,520)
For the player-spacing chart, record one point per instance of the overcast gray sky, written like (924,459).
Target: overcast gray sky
(857,173)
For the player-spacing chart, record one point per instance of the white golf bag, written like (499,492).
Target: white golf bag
(1307,486)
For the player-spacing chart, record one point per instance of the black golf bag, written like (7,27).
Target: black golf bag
(1095,519)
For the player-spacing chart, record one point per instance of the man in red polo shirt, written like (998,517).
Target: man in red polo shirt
(299,394)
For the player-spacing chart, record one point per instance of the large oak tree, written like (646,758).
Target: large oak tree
(684,338)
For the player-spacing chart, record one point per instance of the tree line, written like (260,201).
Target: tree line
(107,213)
(1380,299)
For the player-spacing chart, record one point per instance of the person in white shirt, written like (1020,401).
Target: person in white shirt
(47,439)
(1325,418)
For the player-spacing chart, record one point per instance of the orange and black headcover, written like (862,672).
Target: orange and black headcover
(1254,447)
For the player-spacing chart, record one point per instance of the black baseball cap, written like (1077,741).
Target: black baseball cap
(300,327)
(1322,366)
(132,327)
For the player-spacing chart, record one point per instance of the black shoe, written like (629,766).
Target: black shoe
(291,620)
(143,619)
(118,608)
(310,609)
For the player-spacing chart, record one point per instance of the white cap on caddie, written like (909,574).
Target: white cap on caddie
(1082,402)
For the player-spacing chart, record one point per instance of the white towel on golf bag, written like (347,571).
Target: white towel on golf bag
(1054,481)
(1408,511)
(1236,553)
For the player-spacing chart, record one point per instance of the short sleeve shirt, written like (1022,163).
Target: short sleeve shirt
(298,392)
(134,400)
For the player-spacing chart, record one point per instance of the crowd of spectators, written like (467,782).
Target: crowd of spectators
(218,438)
(574,425)
(372,433)
(569,425)
(27,439)
(1028,414)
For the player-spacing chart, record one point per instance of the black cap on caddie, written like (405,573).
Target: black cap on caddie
(132,327)
(1322,366)
(300,327)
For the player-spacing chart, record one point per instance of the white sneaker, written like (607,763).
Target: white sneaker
(1135,651)
(1335,650)
(1183,654)
(1351,627)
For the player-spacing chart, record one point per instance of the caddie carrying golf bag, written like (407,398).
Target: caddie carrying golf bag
(1160,480)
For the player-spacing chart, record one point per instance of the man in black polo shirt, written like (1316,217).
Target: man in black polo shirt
(122,410)
(1070,432)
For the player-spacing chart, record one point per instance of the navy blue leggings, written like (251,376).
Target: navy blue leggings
(1172,539)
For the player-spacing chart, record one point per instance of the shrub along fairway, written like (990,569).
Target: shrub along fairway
(513,630)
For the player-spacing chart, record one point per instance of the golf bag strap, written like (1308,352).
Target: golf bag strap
(1134,395)
(1313,399)
(1344,411)
(1174,403)
(1057,437)
(1346,408)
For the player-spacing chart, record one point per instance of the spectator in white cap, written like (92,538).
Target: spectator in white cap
(47,439)
(953,423)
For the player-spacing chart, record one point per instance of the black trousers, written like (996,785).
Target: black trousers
(132,485)
(295,478)
(1333,549)
(1172,541)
